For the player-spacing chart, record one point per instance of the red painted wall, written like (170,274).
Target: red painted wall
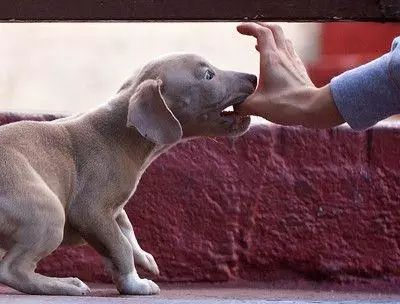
(357,38)
(315,204)
(346,45)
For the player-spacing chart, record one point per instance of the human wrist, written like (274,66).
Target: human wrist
(293,107)
(320,111)
(296,106)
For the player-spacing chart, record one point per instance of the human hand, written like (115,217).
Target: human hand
(285,93)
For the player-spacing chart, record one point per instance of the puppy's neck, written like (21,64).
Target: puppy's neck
(109,122)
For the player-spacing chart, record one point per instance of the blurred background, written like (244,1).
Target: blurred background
(72,67)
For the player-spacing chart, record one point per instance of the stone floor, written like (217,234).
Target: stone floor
(215,293)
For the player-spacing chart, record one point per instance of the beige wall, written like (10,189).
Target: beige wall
(74,66)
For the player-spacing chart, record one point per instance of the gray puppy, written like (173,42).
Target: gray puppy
(67,181)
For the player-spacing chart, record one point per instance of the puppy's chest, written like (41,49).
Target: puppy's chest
(113,182)
(123,190)
(120,188)
(125,186)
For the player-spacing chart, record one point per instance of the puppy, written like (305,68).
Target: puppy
(67,181)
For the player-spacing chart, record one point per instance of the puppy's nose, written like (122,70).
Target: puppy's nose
(252,78)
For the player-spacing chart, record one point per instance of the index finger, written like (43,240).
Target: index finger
(264,35)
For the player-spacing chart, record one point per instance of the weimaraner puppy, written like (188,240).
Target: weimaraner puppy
(67,181)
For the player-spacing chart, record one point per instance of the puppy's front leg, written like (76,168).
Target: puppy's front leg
(104,234)
(141,257)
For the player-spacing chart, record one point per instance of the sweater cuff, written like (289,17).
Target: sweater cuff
(366,95)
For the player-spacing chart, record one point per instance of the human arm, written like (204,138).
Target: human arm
(371,92)
(287,96)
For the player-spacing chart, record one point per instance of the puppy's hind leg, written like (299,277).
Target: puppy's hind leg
(39,232)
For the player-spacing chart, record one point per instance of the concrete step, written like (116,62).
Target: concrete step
(209,294)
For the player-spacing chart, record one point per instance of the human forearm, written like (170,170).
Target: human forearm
(369,93)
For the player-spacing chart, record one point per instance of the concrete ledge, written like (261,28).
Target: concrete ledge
(221,293)
(277,203)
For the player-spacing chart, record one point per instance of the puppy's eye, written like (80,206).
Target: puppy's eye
(209,75)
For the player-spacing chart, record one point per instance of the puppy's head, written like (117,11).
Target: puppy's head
(182,96)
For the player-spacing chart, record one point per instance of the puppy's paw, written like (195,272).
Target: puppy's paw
(139,287)
(84,290)
(147,261)
(74,286)
(76,282)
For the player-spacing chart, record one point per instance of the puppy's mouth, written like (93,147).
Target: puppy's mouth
(226,110)
(236,122)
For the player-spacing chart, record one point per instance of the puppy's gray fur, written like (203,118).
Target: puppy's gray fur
(67,181)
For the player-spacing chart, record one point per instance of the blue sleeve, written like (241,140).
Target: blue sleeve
(371,92)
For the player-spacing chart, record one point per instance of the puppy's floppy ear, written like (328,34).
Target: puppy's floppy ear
(150,115)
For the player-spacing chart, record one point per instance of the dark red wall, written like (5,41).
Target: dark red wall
(316,204)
